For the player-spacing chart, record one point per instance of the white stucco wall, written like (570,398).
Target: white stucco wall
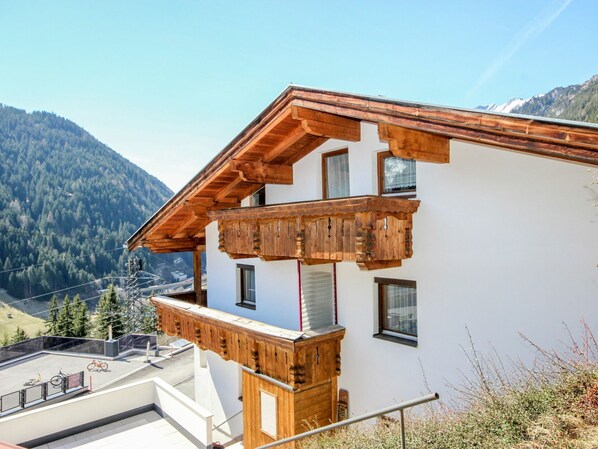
(307,173)
(503,243)
(276,284)
(217,388)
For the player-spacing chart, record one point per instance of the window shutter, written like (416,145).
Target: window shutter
(317,296)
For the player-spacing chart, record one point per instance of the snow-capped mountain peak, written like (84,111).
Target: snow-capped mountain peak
(504,107)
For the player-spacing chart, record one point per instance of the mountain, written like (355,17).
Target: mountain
(504,107)
(577,102)
(67,204)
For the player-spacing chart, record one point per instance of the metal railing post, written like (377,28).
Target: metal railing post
(346,422)
(402,415)
(82,378)
(22,398)
(65,381)
(45,391)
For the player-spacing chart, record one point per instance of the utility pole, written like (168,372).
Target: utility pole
(134,306)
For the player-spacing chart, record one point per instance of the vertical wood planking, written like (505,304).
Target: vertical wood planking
(299,364)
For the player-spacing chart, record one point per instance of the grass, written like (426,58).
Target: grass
(8,326)
(553,404)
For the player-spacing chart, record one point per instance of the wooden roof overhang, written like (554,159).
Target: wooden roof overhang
(301,119)
(282,354)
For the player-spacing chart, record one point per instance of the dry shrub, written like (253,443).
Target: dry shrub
(588,404)
(555,430)
(548,405)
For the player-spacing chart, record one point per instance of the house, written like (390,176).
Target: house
(353,243)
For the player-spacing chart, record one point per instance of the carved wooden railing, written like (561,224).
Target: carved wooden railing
(374,231)
(295,358)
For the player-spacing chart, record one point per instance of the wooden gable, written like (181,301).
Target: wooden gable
(302,119)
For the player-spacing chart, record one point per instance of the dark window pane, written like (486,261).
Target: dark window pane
(259,197)
(400,309)
(247,287)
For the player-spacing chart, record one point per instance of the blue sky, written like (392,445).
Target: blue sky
(169,83)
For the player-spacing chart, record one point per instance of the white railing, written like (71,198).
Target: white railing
(76,413)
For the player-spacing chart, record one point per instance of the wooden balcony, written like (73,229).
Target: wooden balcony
(373,231)
(298,359)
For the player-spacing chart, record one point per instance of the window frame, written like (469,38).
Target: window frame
(258,198)
(273,416)
(325,157)
(242,301)
(389,334)
(410,193)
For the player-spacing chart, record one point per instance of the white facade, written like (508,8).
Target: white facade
(503,243)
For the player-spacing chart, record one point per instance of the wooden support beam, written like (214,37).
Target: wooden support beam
(327,125)
(411,144)
(241,256)
(173,245)
(318,261)
(315,143)
(195,220)
(228,189)
(291,139)
(378,264)
(200,298)
(274,258)
(262,172)
(200,206)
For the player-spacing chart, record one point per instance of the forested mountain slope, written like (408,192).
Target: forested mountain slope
(67,203)
(576,102)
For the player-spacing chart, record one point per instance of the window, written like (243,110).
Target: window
(259,197)
(318,296)
(335,174)
(246,278)
(395,174)
(397,306)
(268,421)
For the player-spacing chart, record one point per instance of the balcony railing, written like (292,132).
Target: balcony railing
(298,359)
(373,231)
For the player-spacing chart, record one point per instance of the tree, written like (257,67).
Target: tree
(150,319)
(5,341)
(52,319)
(110,313)
(64,324)
(80,318)
(5,272)
(20,335)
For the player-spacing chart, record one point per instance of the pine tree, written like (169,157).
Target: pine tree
(5,272)
(110,312)
(64,324)
(19,335)
(52,319)
(80,318)
(150,319)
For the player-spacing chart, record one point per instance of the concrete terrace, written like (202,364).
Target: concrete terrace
(145,414)
(142,431)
